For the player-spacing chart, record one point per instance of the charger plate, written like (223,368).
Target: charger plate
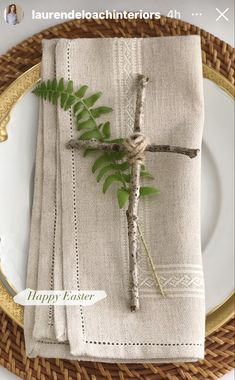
(218,66)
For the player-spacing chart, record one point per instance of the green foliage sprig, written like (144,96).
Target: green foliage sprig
(111,167)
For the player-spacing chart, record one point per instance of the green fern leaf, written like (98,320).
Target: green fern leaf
(93,134)
(48,88)
(43,87)
(97,112)
(55,97)
(69,102)
(105,157)
(88,124)
(145,190)
(61,85)
(118,167)
(41,90)
(69,88)
(127,177)
(144,173)
(54,84)
(83,115)
(123,166)
(123,196)
(81,92)
(63,99)
(103,171)
(110,179)
(48,85)
(116,156)
(89,102)
(106,130)
(77,107)
(88,151)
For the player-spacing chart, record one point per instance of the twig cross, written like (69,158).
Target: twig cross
(135,147)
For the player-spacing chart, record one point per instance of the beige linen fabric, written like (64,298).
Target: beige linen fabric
(79,236)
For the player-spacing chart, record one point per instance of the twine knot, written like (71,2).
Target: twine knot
(135,146)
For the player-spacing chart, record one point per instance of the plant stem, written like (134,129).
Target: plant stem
(123,180)
(157,280)
(87,109)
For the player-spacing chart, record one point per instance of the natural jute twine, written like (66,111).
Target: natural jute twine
(135,146)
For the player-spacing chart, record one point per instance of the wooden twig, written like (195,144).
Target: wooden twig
(135,147)
(191,153)
(132,212)
(114,147)
(95,144)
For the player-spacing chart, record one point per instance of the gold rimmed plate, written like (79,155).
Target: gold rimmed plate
(18,129)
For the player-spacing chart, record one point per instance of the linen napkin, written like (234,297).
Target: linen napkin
(79,236)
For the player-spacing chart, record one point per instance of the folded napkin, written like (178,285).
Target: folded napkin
(78,236)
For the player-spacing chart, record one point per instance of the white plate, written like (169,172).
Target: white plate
(16,188)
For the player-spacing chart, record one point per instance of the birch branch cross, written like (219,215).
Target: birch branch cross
(135,147)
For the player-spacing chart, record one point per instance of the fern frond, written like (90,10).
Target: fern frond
(82,107)
(86,114)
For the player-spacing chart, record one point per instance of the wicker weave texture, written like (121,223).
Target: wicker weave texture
(215,53)
(219,360)
(220,345)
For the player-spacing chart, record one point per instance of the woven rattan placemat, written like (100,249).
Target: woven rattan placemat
(219,360)
(215,53)
(220,345)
